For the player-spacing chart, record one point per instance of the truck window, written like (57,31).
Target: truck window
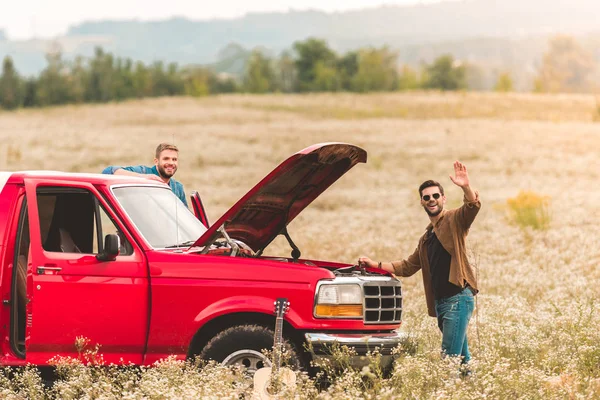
(73,221)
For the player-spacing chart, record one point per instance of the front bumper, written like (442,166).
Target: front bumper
(320,345)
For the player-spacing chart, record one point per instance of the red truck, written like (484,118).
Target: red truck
(122,262)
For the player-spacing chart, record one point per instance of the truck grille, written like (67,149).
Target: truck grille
(383,302)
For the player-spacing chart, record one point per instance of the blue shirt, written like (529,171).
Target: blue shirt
(176,186)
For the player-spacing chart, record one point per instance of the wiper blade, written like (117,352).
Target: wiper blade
(184,244)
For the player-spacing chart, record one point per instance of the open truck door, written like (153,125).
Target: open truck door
(198,208)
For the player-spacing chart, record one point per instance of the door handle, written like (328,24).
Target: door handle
(41,270)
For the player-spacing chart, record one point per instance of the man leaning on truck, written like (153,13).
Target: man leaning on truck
(449,280)
(165,166)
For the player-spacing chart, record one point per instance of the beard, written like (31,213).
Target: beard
(433,213)
(163,173)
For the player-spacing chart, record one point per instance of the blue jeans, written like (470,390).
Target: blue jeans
(453,314)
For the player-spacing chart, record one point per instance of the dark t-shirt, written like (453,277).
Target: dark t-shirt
(439,266)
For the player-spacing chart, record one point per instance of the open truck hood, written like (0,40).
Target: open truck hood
(258,217)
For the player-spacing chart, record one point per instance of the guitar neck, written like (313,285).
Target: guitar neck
(277,343)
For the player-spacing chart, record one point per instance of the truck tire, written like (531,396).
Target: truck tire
(243,345)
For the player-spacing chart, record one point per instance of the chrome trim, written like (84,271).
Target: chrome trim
(41,270)
(380,297)
(393,338)
(320,345)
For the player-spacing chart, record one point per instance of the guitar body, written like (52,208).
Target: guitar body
(262,382)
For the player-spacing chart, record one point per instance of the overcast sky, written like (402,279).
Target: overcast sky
(23,19)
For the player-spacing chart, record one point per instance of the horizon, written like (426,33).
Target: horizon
(31,19)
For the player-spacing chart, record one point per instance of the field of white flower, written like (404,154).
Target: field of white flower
(536,330)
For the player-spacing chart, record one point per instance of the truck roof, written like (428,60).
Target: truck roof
(93,178)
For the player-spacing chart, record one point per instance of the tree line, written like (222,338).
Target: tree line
(311,66)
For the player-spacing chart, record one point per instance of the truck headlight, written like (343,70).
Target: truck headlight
(343,301)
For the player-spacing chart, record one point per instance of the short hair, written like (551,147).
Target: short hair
(430,183)
(165,146)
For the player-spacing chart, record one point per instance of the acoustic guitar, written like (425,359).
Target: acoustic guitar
(270,382)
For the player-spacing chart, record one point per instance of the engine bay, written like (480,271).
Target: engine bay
(223,245)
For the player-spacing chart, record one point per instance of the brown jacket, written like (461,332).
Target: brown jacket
(451,229)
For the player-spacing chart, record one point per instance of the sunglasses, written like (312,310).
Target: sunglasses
(435,196)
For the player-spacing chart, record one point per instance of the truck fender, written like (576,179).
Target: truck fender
(244,304)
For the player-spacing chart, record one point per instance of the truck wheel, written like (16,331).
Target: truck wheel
(243,345)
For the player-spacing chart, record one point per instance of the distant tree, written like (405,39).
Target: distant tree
(11,95)
(101,77)
(2,35)
(327,78)
(202,81)
(348,67)
(377,70)
(408,79)
(423,75)
(53,84)
(223,83)
(197,82)
(175,80)
(504,83)
(287,76)
(30,93)
(566,67)
(166,81)
(78,80)
(310,54)
(123,86)
(142,81)
(259,76)
(445,74)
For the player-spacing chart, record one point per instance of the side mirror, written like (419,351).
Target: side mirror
(112,243)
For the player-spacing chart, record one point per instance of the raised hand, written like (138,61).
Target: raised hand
(461,177)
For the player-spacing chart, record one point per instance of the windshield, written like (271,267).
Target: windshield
(161,218)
